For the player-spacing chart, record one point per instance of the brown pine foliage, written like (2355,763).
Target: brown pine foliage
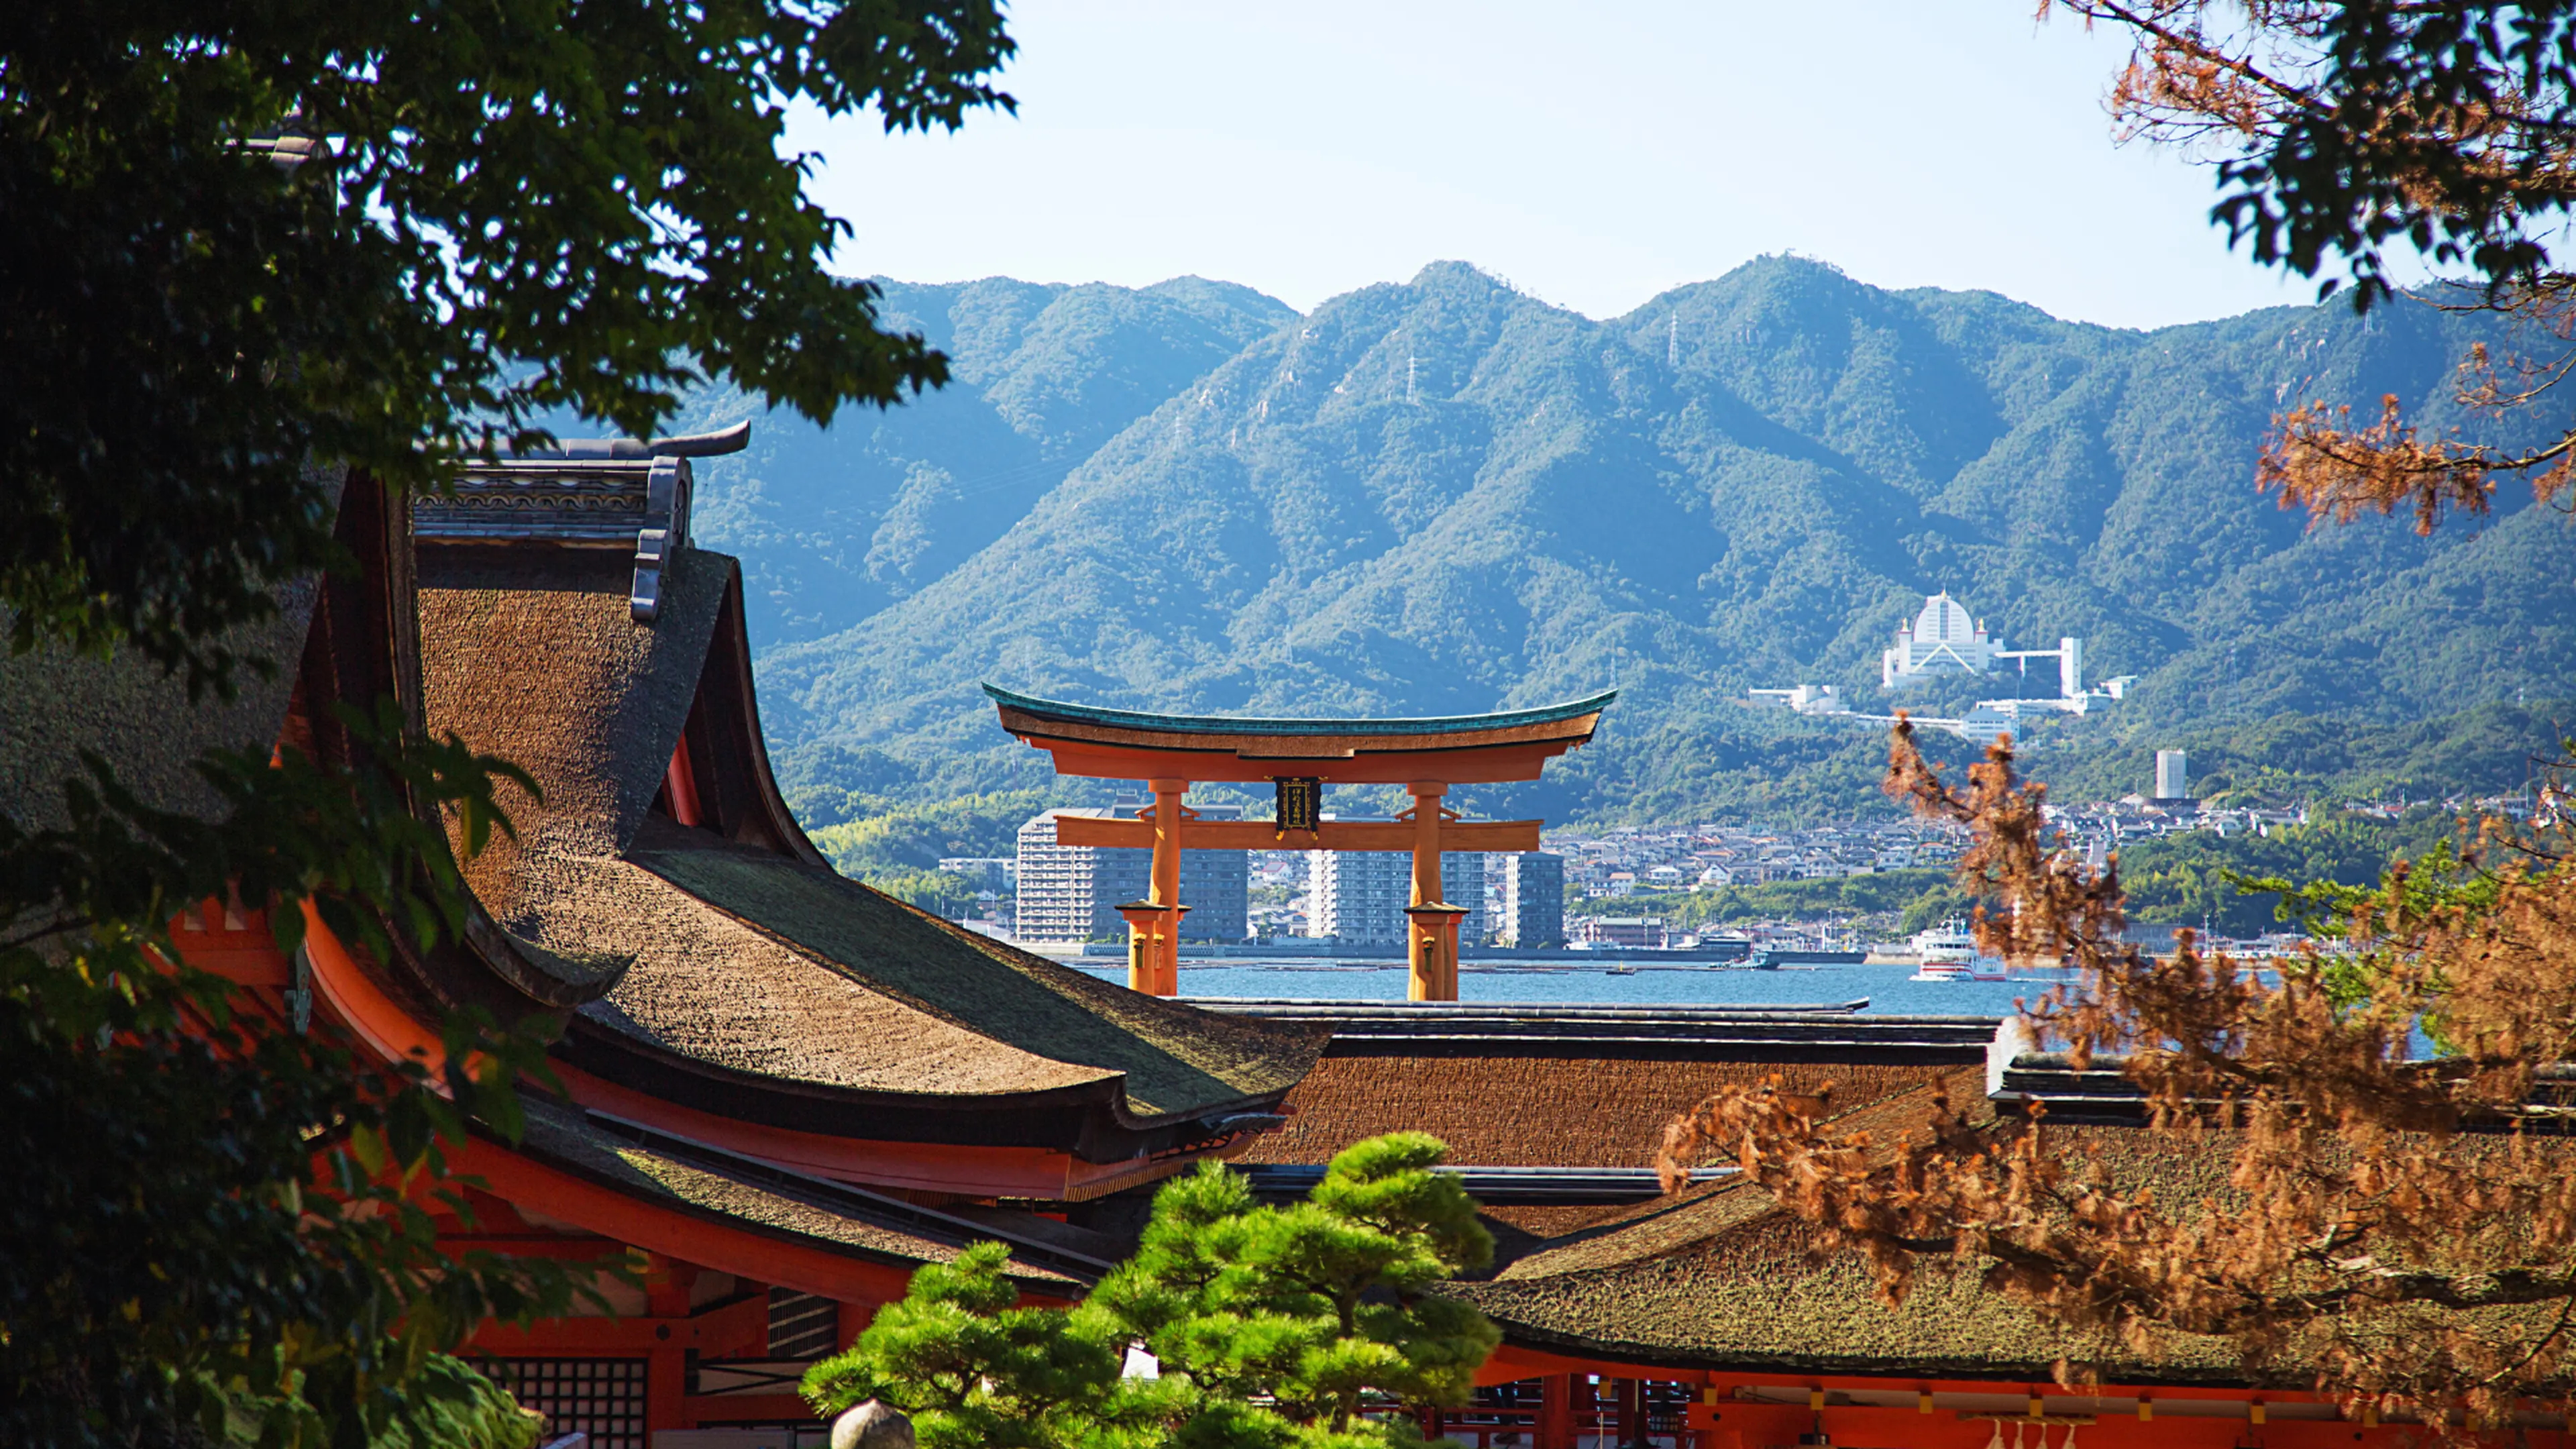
(2346,126)
(2405,1226)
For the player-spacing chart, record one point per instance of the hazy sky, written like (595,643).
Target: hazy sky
(1592,155)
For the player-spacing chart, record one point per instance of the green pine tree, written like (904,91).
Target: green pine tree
(1274,1325)
(974,1368)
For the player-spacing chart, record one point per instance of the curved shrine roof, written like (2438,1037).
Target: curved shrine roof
(1722,1277)
(719,1187)
(750,979)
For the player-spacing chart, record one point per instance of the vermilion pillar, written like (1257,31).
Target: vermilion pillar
(849,1321)
(1149,928)
(1428,983)
(1434,936)
(666,1295)
(1555,1412)
(1165,890)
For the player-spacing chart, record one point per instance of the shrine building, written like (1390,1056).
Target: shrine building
(1709,1318)
(784,1091)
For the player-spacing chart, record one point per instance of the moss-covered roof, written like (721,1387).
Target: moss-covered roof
(1722,1277)
(55,703)
(535,656)
(1508,1109)
(746,960)
(710,1185)
(1038,1016)
(751,962)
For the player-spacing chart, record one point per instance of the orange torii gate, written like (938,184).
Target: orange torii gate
(1299,757)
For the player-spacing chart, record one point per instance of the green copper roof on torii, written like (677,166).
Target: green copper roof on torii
(1240,725)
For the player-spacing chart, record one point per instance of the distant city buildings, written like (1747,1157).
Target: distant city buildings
(994,873)
(1533,900)
(1806,698)
(1071,893)
(1357,897)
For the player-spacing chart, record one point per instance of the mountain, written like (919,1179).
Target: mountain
(1445,496)
(834,525)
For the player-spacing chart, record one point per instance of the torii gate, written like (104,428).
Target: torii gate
(1298,756)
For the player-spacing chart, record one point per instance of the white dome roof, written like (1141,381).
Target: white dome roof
(1944,620)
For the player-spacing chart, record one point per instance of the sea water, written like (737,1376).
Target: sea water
(1885,988)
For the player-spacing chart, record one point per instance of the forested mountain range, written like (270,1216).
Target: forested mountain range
(1446,496)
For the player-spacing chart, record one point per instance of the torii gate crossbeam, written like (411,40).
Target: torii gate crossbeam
(1169,753)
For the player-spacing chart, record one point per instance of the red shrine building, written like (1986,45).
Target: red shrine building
(787,1092)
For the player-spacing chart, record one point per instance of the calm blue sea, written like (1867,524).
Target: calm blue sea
(1884,987)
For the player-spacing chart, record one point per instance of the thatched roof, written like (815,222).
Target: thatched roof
(55,703)
(1551,1111)
(1722,1277)
(719,1187)
(751,967)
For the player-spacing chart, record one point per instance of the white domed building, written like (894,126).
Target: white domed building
(1945,639)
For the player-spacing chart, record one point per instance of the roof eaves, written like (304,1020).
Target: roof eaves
(842,1197)
(1906,1367)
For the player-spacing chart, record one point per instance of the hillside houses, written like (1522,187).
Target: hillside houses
(1634,861)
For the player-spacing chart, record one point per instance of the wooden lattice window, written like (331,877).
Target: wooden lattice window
(601,1397)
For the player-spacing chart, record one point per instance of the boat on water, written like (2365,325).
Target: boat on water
(1803,958)
(1949,953)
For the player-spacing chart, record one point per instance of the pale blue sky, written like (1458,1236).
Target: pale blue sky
(1592,155)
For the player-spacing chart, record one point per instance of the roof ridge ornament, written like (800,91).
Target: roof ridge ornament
(582,493)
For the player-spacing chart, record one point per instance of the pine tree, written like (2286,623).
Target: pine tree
(974,1368)
(1273,1325)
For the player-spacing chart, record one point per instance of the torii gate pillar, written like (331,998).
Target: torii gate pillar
(1162,956)
(1432,924)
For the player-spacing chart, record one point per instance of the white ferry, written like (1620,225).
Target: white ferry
(1949,953)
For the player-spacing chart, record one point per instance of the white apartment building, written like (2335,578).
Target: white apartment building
(1533,901)
(1071,893)
(1357,897)
(2173,775)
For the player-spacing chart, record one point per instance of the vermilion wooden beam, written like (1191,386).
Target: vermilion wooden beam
(680,785)
(1727,1421)
(365,1007)
(1386,835)
(233,942)
(533,1245)
(737,1330)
